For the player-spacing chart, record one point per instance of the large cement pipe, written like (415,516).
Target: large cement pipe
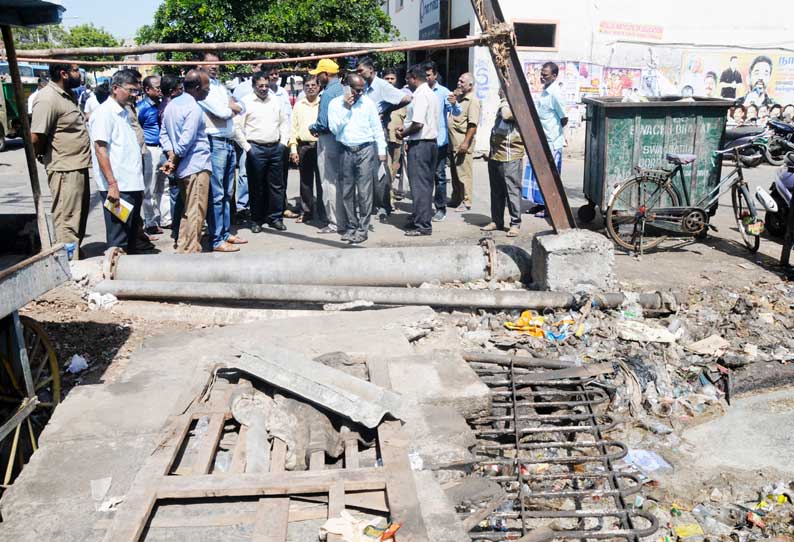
(363,267)
(434,297)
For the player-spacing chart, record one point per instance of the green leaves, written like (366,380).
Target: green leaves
(281,21)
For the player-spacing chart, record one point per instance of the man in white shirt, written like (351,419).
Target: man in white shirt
(220,108)
(32,98)
(420,134)
(266,126)
(354,119)
(118,169)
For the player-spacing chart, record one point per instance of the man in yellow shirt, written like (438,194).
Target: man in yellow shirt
(303,151)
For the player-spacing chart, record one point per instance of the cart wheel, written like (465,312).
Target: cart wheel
(586,213)
(20,443)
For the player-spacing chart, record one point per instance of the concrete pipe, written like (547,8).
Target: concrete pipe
(403,266)
(434,297)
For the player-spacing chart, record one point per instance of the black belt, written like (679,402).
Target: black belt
(356,148)
(307,143)
(415,141)
(273,144)
(153,145)
(219,138)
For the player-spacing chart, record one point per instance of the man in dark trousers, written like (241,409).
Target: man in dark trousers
(420,133)
(266,126)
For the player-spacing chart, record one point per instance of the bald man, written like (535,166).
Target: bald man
(462,129)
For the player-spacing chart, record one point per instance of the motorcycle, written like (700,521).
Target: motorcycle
(752,140)
(776,149)
(777,201)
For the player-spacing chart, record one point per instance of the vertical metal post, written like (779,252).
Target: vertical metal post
(30,154)
(516,90)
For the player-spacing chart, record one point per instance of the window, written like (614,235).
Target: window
(398,5)
(536,34)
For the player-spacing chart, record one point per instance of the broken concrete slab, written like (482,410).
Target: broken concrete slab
(573,261)
(351,397)
(440,378)
(440,438)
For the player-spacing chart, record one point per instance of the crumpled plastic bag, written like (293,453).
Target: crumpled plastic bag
(532,324)
(348,527)
(77,364)
(97,301)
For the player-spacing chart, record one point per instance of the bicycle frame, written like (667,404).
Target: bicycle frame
(735,176)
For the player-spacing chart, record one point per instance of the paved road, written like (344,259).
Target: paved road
(721,258)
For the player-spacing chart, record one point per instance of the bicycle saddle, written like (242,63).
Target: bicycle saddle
(681,159)
(781,126)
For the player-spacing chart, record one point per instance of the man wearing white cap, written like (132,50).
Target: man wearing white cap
(329,152)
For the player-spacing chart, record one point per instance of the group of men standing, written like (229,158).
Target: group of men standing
(180,152)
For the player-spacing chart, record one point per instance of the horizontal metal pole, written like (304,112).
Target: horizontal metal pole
(434,297)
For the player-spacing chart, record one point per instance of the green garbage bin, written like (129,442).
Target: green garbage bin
(621,136)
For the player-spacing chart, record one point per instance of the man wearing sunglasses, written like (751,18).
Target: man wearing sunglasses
(118,168)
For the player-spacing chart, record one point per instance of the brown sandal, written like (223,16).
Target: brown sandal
(226,247)
(233,239)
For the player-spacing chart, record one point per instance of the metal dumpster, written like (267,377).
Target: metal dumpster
(621,136)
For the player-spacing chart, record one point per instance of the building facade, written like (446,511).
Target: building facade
(612,47)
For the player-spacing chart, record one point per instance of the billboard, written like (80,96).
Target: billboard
(429,19)
(733,75)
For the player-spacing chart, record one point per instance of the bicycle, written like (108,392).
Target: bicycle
(651,200)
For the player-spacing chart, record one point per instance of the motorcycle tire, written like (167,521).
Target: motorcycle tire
(775,158)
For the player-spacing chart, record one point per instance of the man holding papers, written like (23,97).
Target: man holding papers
(118,168)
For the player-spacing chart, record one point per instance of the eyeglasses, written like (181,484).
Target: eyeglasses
(357,91)
(133,91)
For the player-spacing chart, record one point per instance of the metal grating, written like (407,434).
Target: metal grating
(544,443)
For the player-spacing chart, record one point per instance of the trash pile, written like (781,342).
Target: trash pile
(679,364)
(769,515)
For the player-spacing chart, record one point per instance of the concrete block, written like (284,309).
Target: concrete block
(573,261)
(440,438)
(441,378)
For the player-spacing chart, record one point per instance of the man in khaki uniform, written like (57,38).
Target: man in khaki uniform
(462,129)
(60,138)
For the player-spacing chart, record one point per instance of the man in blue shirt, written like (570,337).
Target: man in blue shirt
(449,105)
(183,137)
(353,118)
(553,118)
(329,152)
(387,98)
(153,178)
(220,109)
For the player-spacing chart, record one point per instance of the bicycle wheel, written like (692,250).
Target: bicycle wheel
(744,213)
(630,212)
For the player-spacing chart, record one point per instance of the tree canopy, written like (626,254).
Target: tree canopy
(287,21)
(55,36)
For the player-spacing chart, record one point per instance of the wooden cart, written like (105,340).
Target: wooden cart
(29,378)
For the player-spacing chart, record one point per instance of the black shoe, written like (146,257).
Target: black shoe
(256,228)
(383,218)
(277,225)
(348,235)
(418,233)
(357,239)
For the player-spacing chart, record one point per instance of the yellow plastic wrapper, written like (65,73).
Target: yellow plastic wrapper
(687,530)
(530,323)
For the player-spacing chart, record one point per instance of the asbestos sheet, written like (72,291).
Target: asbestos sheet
(348,396)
